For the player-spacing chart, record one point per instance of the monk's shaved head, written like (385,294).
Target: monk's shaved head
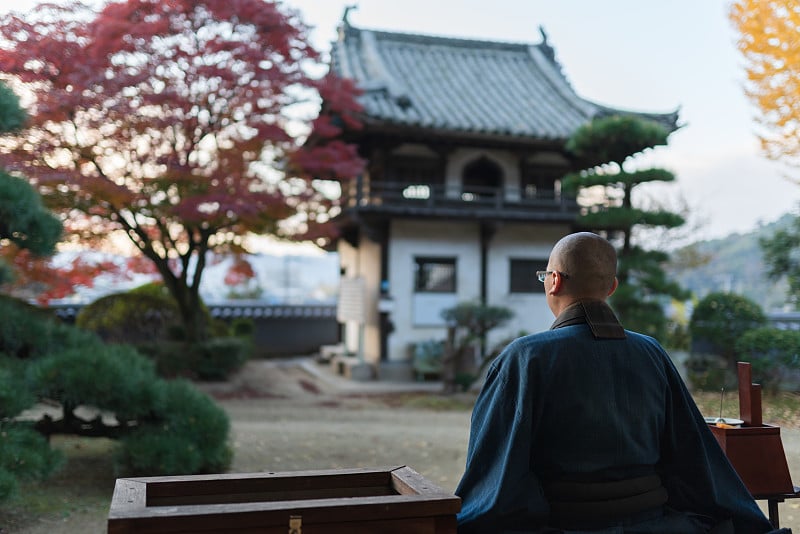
(590,263)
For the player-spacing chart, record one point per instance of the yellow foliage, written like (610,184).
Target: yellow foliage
(769,40)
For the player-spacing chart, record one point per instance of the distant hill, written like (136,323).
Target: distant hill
(734,264)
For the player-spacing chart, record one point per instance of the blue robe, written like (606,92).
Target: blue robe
(592,401)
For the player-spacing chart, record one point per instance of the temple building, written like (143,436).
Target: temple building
(461,198)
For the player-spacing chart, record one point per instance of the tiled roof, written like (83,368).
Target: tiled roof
(464,86)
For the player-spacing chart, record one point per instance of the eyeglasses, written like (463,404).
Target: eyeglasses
(541,275)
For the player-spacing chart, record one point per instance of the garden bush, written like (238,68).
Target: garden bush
(183,438)
(142,315)
(25,330)
(218,357)
(213,359)
(471,321)
(74,369)
(148,318)
(709,372)
(24,455)
(774,355)
(718,321)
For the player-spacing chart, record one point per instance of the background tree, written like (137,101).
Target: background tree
(602,148)
(781,258)
(173,122)
(24,222)
(768,33)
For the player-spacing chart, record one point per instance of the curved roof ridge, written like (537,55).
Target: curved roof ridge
(430,38)
(552,71)
(376,69)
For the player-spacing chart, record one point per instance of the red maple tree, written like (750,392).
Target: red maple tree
(174,121)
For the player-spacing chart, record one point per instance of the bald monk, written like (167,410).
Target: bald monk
(589,428)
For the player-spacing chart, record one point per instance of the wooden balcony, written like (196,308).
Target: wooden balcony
(390,199)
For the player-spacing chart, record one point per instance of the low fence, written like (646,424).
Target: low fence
(279,330)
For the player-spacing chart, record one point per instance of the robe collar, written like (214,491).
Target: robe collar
(597,314)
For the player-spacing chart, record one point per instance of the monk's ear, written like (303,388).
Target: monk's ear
(613,287)
(555,287)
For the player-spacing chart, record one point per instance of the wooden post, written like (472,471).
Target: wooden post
(749,396)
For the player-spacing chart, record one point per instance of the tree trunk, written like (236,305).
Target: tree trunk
(193,316)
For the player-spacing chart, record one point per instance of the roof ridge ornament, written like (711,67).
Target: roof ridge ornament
(346,15)
(548,50)
(345,25)
(544,34)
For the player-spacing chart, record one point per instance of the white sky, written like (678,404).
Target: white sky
(641,55)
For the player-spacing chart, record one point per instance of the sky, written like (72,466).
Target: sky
(632,54)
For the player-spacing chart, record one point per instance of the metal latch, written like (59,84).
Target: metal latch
(295,524)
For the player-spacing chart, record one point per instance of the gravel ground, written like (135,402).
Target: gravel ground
(313,420)
(297,415)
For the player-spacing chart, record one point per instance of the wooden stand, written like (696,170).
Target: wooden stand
(392,500)
(755,450)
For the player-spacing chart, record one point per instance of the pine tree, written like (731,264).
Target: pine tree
(602,148)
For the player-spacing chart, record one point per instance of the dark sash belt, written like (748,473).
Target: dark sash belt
(600,504)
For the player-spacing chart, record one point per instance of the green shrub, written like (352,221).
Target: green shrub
(772,353)
(719,319)
(132,317)
(169,357)
(148,318)
(27,331)
(217,358)
(188,436)
(24,455)
(242,327)
(709,372)
(214,359)
(112,377)
(8,484)
(15,396)
(74,368)
(471,322)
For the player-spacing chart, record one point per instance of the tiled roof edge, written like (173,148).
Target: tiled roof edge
(552,72)
(376,69)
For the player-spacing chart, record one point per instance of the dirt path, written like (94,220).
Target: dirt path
(292,419)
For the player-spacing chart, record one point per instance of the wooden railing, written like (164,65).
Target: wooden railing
(361,194)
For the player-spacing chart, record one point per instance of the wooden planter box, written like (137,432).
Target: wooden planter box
(394,500)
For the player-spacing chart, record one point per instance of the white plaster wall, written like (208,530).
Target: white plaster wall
(528,241)
(462,157)
(410,239)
